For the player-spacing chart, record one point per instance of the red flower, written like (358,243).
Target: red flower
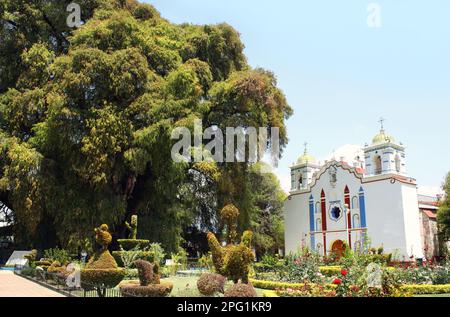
(337,281)
(344,272)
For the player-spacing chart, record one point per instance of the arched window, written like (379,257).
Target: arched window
(318,207)
(378,167)
(318,224)
(355,202)
(300,181)
(398,163)
(356,222)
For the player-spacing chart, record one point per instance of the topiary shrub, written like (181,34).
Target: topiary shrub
(141,255)
(152,290)
(148,273)
(132,227)
(31,257)
(130,244)
(101,272)
(240,290)
(149,282)
(233,260)
(211,283)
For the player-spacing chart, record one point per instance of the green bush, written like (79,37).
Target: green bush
(141,255)
(56,254)
(129,244)
(28,271)
(210,283)
(240,290)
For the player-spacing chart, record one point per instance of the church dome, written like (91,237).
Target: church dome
(306,158)
(382,137)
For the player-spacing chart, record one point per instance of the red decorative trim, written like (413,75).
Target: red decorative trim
(349,217)
(324,219)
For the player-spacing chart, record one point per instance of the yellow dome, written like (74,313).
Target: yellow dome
(306,158)
(382,137)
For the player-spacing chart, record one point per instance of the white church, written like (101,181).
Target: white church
(345,202)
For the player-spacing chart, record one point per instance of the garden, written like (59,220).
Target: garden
(141,268)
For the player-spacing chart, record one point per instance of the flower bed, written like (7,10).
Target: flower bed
(413,289)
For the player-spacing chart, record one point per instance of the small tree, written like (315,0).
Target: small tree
(443,215)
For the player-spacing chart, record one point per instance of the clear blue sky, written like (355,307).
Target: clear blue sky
(340,76)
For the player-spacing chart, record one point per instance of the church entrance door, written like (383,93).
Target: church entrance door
(338,248)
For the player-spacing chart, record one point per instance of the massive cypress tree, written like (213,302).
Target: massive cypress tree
(86,116)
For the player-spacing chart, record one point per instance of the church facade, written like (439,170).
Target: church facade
(346,203)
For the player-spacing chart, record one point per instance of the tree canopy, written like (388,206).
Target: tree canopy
(86,117)
(443,215)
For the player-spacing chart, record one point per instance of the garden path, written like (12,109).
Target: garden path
(12,285)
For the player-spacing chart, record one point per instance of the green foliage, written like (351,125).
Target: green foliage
(211,283)
(180,258)
(56,254)
(443,215)
(86,116)
(158,252)
(232,261)
(240,290)
(129,257)
(206,262)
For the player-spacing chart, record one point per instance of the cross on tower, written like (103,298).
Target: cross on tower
(381,121)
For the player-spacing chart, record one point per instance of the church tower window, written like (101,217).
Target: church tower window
(378,165)
(398,163)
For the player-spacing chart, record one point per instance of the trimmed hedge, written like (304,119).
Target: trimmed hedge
(271,285)
(427,289)
(129,244)
(330,270)
(142,255)
(108,278)
(151,290)
(413,289)
(269,293)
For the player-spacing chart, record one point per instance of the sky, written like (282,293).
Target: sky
(340,74)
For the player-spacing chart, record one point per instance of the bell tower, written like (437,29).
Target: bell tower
(303,171)
(384,155)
